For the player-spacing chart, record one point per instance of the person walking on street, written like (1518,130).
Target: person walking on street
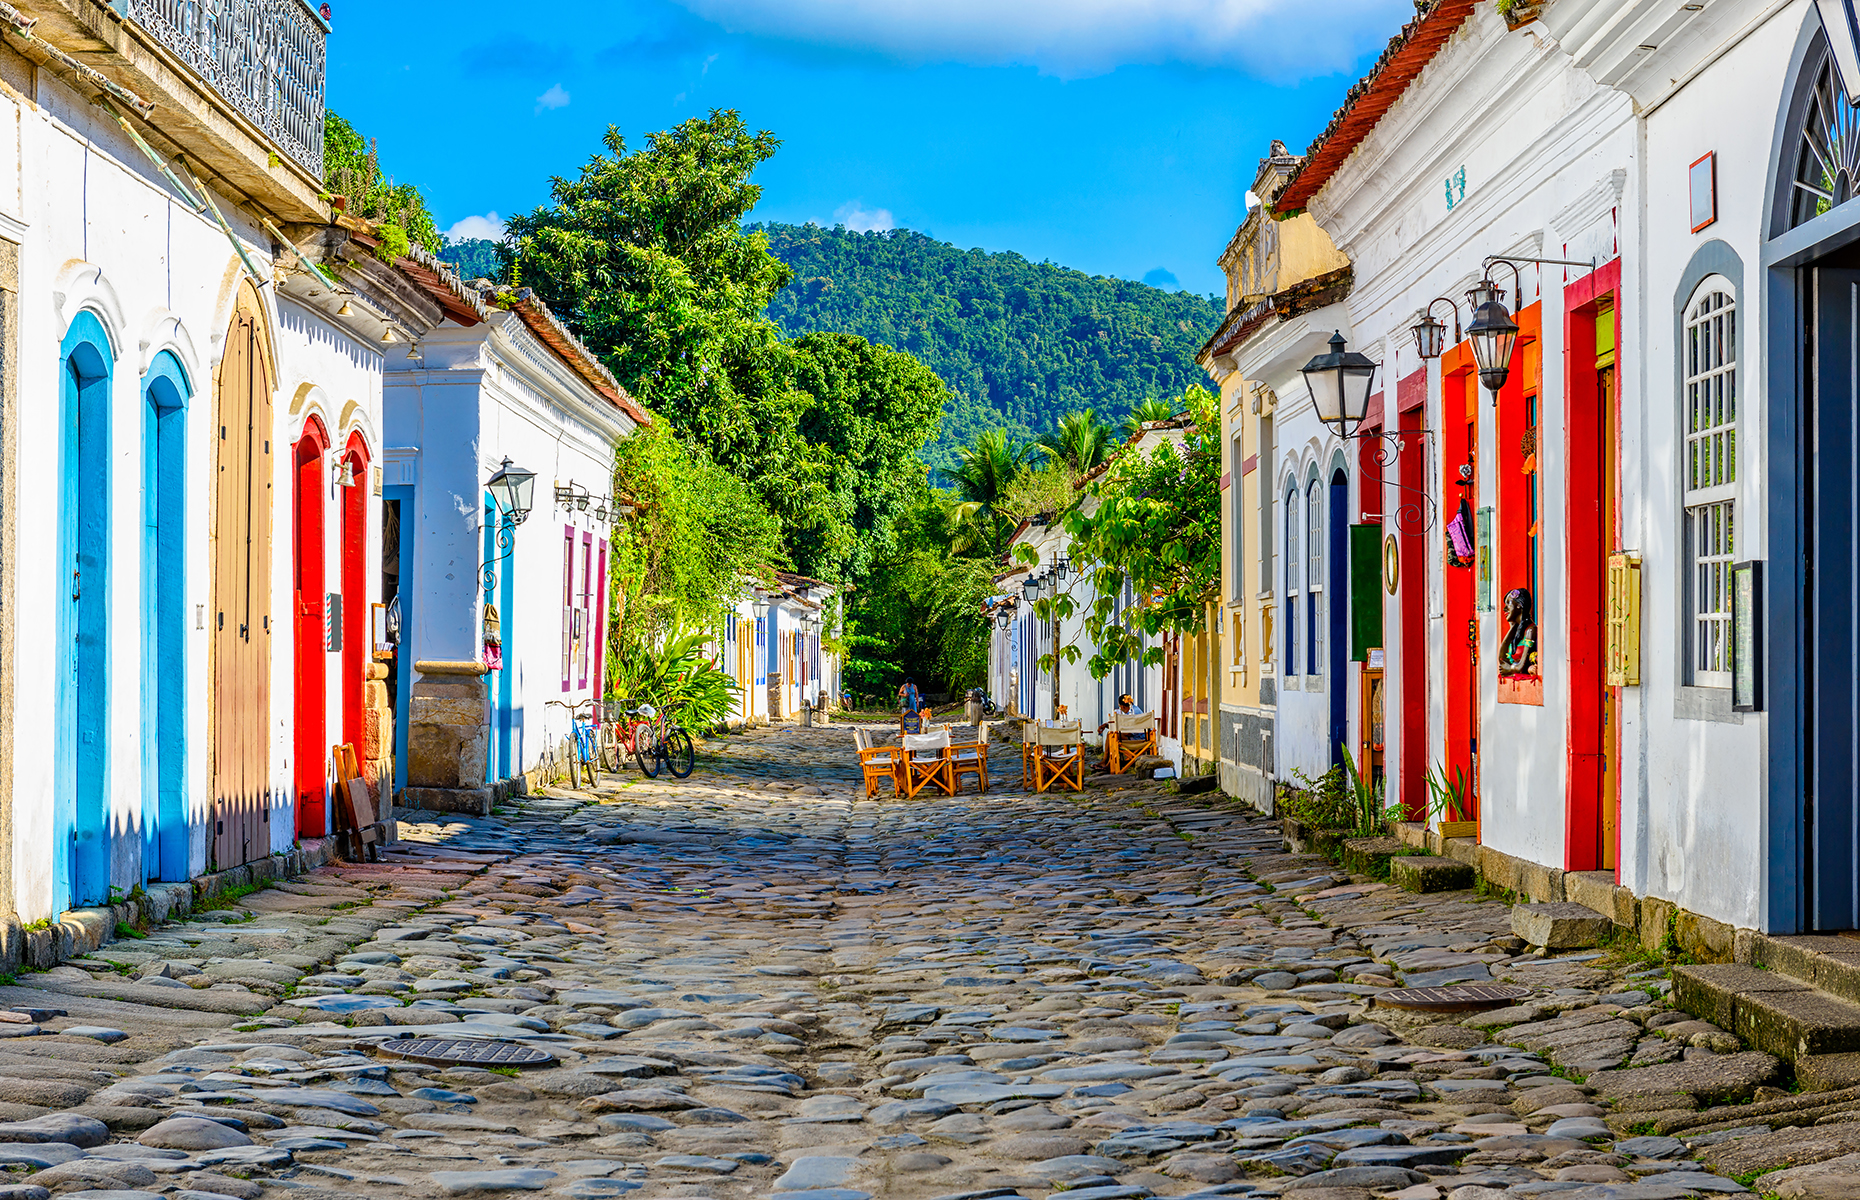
(909,698)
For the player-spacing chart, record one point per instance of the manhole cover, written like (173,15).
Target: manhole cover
(451,1052)
(1466,997)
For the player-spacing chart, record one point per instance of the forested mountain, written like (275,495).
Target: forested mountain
(1019,343)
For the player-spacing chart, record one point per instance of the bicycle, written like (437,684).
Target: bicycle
(650,739)
(585,755)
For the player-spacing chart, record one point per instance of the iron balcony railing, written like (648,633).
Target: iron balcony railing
(265,57)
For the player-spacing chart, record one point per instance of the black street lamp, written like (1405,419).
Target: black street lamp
(510,489)
(1493,334)
(1030,588)
(1340,383)
(1430,336)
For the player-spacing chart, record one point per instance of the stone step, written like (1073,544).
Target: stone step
(1561,926)
(1814,1029)
(1825,961)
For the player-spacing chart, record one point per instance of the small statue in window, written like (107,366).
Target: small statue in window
(1517,654)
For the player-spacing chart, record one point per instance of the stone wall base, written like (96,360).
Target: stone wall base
(82,931)
(474,802)
(1659,925)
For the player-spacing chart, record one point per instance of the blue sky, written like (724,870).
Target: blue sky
(1115,136)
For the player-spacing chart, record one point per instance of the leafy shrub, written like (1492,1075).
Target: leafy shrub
(676,678)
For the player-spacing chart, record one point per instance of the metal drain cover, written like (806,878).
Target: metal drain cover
(1465,997)
(453,1052)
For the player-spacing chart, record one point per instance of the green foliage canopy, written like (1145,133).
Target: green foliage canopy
(1019,343)
(352,168)
(1154,523)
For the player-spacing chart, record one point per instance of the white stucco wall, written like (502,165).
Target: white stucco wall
(100,231)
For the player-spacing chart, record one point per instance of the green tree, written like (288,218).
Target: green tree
(1019,343)
(982,475)
(352,169)
(868,413)
(1156,527)
(474,258)
(1081,441)
(1149,410)
(696,538)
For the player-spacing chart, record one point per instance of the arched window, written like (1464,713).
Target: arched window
(1825,131)
(1709,467)
(1314,574)
(1294,568)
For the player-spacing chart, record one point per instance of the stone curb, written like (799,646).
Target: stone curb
(81,931)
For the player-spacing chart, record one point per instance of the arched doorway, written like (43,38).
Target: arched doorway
(1812,637)
(241,626)
(81,865)
(309,634)
(357,655)
(166,391)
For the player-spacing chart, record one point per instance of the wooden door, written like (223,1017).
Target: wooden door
(310,751)
(241,595)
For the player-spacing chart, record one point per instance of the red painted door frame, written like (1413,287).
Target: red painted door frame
(1411,403)
(1459,446)
(356,653)
(310,756)
(1587,544)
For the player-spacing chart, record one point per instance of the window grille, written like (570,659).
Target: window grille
(1710,419)
(266,58)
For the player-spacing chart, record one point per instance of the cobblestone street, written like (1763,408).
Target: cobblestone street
(756,982)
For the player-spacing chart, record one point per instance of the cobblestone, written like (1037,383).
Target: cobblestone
(759,983)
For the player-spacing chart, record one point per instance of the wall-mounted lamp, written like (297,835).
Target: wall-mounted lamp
(1340,383)
(510,490)
(346,310)
(1430,336)
(1004,617)
(1493,333)
(1030,588)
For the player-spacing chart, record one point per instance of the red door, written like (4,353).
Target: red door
(311,751)
(356,653)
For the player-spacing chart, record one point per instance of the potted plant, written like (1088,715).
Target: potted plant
(1448,806)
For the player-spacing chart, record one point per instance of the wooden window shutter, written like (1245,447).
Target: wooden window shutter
(1365,590)
(1623,613)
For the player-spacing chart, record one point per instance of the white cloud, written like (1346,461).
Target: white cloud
(860,219)
(1073,38)
(555,97)
(490,227)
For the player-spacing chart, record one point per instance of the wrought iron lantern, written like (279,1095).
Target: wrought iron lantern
(510,489)
(1004,617)
(1430,336)
(1493,334)
(1340,383)
(1063,565)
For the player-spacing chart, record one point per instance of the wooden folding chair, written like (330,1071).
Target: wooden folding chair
(928,763)
(879,764)
(1029,744)
(971,758)
(1059,758)
(361,832)
(1131,736)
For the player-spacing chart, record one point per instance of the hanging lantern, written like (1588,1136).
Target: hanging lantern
(1339,384)
(1493,334)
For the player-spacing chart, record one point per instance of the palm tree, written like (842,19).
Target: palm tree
(1080,440)
(1153,409)
(983,472)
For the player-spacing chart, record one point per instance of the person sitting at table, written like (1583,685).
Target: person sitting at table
(1125,705)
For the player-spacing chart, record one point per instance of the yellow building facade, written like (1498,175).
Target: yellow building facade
(1271,265)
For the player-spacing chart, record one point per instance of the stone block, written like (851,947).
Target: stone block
(1705,939)
(1420,873)
(1713,993)
(1460,850)
(1412,833)
(1499,869)
(1655,915)
(473,801)
(1366,855)
(1564,926)
(1540,883)
(1828,1072)
(1797,1024)
(1593,889)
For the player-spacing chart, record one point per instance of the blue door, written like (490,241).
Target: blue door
(164,621)
(81,862)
